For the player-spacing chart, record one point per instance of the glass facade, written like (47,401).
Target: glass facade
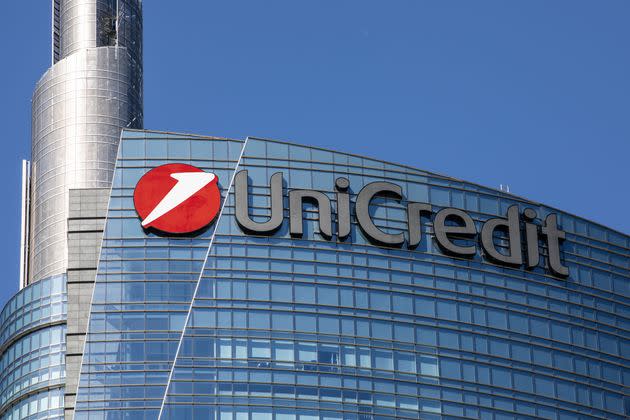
(33,337)
(144,285)
(230,325)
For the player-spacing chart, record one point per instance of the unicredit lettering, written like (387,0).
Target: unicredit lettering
(454,230)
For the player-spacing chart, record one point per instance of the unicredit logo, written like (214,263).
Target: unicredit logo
(177,198)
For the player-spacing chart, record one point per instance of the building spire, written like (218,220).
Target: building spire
(92,91)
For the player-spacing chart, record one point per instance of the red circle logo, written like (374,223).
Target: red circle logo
(177,198)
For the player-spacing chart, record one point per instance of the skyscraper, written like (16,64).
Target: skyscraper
(177,276)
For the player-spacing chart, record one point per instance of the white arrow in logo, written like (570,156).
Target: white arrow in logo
(188,183)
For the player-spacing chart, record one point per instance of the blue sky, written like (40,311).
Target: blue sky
(534,94)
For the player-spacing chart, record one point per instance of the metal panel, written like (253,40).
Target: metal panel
(79,108)
(25,221)
(56,8)
(97,23)
(93,90)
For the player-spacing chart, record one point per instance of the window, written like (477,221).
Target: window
(327,354)
(304,293)
(383,359)
(307,352)
(406,362)
(260,349)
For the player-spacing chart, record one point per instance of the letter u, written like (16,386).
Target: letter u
(241,186)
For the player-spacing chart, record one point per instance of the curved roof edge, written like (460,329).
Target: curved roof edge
(447,177)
